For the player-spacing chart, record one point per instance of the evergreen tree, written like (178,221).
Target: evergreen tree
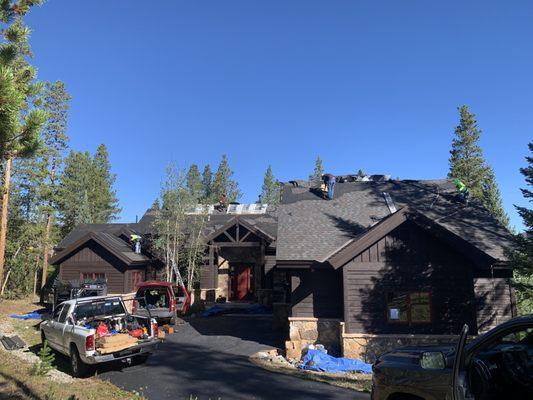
(194,183)
(316,176)
(224,184)
(207,183)
(468,165)
(73,193)
(102,196)
(270,190)
(361,173)
(21,119)
(522,257)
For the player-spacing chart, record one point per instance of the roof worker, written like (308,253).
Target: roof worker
(329,181)
(136,240)
(462,189)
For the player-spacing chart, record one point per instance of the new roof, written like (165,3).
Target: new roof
(311,228)
(115,245)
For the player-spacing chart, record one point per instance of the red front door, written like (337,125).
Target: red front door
(241,280)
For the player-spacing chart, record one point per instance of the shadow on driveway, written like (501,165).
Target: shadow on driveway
(211,362)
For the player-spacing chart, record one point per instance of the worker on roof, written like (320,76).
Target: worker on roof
(329,181)
(136,240)
(462,189)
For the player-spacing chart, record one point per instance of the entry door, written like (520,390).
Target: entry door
(241,282)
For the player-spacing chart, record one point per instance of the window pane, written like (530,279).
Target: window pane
(397,308)
(420,309)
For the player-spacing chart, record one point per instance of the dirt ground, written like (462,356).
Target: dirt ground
(16,382)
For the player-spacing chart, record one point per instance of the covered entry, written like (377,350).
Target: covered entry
(235,267)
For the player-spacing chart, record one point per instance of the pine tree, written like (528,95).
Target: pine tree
(207,183)
(468,165)
(361,173)
(74,183)
(102,196)
(194,183)
(522,257)
(270,190)
(46,361)
(21,119)
(224,184)
(316,176)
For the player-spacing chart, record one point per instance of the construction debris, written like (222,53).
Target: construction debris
(118,342)
(13,342)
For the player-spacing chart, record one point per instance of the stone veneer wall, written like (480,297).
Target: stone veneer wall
(368,347)
(306,331)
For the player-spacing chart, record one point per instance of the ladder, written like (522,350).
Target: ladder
(185,300)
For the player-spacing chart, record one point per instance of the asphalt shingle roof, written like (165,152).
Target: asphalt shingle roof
(311,228)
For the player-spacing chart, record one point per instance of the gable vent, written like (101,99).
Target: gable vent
(390,203)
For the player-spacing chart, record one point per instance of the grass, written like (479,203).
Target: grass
(16,380)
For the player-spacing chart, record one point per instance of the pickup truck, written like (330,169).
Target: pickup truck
(83,330)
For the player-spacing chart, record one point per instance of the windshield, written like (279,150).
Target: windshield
(99,308)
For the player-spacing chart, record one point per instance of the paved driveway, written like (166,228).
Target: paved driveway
(208,359)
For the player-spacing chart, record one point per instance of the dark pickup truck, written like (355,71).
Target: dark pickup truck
(496,365)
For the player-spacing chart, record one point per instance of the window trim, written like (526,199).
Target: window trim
(409,321)
(93,275)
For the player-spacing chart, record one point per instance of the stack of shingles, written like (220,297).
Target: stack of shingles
(111,344)
(12,343)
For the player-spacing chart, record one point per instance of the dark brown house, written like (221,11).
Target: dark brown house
(240,254)
(390,262)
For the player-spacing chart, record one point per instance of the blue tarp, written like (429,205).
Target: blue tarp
(251,309)
(32,315)
(316,360)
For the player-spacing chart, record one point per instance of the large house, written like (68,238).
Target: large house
(384,262)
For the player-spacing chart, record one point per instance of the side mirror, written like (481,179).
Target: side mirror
(433,360)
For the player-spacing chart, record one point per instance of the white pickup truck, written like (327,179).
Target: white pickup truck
(79,328)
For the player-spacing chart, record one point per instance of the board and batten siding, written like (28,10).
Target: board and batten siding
(410,259)
(495,301)
(91,259)
(316,293)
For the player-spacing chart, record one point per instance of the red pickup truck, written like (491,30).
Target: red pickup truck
(163,301)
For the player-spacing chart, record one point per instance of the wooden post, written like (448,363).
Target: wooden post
(3,222)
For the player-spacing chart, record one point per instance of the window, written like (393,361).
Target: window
(411,307)
(57,312)
(108,307)
(63,316)
(136,278)
(90,276)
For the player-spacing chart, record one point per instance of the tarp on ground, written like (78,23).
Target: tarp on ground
(256,309)
(32,315)
(316,360)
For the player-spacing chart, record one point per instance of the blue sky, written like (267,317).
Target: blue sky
(363,84)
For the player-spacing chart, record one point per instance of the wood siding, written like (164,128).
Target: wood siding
(93,258)
(316,292)
(494,300)
(410,260)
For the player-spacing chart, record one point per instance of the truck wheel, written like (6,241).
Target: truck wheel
(78,368)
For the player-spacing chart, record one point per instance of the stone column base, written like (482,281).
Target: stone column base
(367,347)
(305,331)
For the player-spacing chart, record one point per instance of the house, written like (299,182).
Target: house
(240,254)
(388,262)
(383,263)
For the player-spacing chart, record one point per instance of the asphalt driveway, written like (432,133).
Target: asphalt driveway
(208,359)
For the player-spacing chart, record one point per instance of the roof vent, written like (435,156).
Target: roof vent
(390,202)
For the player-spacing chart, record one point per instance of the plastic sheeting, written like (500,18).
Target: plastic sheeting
(32,315)
(221,310)
(316,360)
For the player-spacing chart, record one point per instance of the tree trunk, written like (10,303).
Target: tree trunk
(35,275)
(46,249)
(3,222)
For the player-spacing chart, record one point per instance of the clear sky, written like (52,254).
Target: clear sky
(363,84)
